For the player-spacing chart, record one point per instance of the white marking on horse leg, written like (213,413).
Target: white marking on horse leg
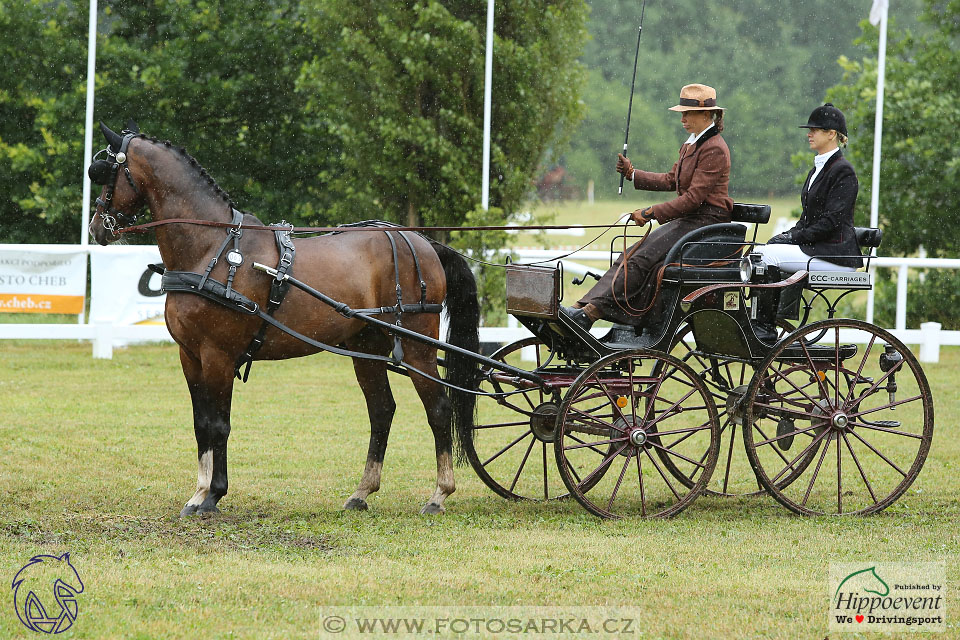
(204,477)
(370,481)
(445,483)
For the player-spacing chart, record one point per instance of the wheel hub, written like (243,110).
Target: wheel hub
(733,405)
(543,421)
(638,437)
(840,421)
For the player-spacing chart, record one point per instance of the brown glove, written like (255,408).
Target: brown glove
(624,166)
(642,216)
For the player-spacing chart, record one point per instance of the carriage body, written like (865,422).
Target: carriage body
(640,421)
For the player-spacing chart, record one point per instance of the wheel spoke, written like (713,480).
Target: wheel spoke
(860,468)
(616,487)
(792,433)
(726,472)
(889,405)
(603,465)
(816,472)
(813,443)
(592,444)
(896,432)
(863,361)
(509,446)
(522,463)
(882,457)
(662,475)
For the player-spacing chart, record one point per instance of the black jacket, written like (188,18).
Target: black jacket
(825,228)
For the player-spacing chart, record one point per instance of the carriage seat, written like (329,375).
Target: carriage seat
(750,213)
(705,255)
(712,253)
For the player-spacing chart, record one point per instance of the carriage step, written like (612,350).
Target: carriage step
(817,352)
(887,424)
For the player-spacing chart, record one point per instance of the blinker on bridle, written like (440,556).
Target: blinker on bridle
(105,172)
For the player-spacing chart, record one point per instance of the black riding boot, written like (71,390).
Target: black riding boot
(789,306)
(765,303)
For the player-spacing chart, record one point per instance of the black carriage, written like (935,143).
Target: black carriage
(835,414)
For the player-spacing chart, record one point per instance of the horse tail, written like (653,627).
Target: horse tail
(463,314)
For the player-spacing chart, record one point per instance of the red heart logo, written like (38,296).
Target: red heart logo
(859,618)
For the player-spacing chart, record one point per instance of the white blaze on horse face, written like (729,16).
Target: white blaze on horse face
(204,477)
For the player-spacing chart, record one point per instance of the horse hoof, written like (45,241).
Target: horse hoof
(355,504)
(432,509)
(208,511)
(188,510)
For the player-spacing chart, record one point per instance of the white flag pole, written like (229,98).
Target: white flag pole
(88,134)
(487,92)
(881,7)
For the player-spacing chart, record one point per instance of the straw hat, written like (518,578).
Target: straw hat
(697,97)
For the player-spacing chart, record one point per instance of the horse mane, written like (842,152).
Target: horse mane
(202,173)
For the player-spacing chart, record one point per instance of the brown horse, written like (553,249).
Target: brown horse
(356,268)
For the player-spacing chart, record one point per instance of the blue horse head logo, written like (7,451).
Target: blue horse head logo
(45,593)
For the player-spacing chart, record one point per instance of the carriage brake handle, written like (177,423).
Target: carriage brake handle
(591,274)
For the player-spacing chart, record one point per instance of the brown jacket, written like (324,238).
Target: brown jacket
(700,177)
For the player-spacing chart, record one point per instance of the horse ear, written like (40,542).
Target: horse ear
(132,126)
(115,140)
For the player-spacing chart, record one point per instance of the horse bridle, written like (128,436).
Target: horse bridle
(113,219)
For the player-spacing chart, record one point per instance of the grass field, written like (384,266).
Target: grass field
(99,456)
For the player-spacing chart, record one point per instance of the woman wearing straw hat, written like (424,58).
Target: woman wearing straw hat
(700,177)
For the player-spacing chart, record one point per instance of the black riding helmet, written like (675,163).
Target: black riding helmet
(826,117)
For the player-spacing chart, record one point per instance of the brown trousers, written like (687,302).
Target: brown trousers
(621,293)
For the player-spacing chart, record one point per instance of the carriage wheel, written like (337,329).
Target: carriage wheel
(858,399)
(615,422)
(512,434)
(727,382)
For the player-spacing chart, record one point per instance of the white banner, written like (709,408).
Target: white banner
(42,279)
(123,290)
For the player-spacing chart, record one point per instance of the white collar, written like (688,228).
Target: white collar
(820,160)
(694,137)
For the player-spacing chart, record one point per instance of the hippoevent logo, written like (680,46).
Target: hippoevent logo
(888,597)
(45,593)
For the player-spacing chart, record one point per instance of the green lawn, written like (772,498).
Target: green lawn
(99,456)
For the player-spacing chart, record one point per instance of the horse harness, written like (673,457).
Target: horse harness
(105,172)
(224,294)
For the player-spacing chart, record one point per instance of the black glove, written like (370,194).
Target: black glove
(782,238)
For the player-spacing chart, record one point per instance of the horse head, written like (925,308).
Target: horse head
(120,199)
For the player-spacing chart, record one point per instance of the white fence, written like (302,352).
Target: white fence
(104,336)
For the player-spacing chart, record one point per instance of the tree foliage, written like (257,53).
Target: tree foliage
(920,170)
(770,61)
(314,111)
(400,91)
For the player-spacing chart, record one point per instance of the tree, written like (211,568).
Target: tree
(41,155)
(215,76)
(920,170)
(771,63)
(399,89)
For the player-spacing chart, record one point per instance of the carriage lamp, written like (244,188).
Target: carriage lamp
(750,265)
(889,359)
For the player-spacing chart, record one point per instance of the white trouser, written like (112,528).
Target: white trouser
(790,258)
